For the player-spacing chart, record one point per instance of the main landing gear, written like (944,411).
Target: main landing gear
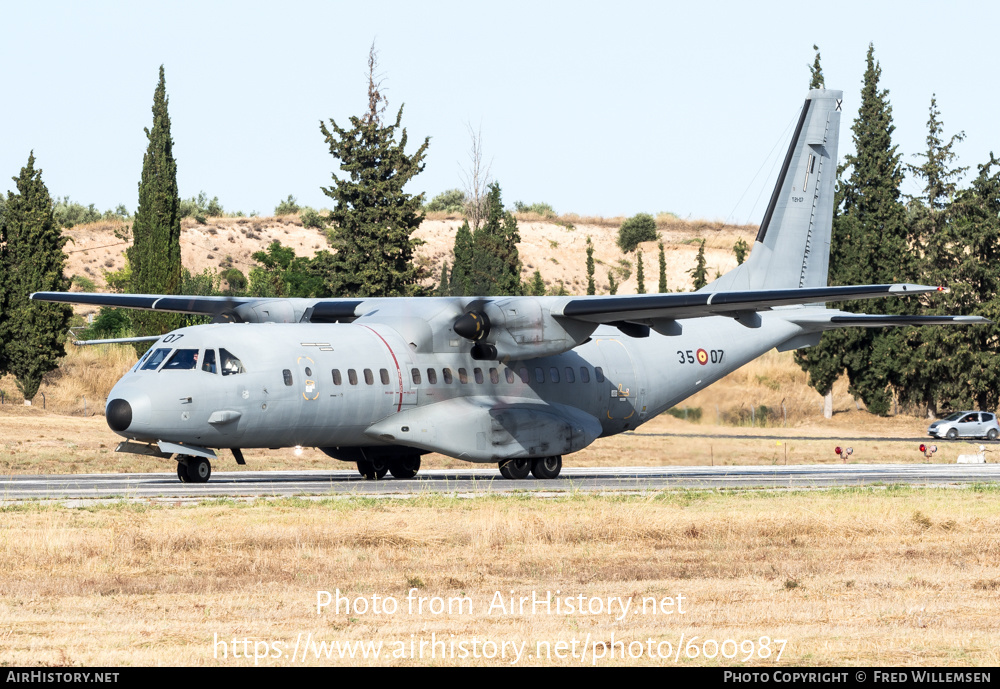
(400,467)
(541,468)
(193,469)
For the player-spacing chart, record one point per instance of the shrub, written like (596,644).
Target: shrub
(235,279)
(67,214)
(688,413)
(639,228)
(542,209)
(287,207)
(84,283)
(310,218)
(451,201)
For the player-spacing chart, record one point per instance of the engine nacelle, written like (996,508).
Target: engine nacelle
(519,328)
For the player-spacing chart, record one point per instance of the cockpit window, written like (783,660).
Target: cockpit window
(153,362)
(230,364)
(182,360)
(208,365)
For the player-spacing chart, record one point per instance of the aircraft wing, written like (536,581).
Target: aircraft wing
(150,302)
(675,306)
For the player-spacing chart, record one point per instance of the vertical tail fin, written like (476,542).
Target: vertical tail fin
(792,248)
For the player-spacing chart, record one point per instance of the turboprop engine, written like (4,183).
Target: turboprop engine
(519,328)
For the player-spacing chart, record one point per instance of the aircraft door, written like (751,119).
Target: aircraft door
(309,387)
(619,384)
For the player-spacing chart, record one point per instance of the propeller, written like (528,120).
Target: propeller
(475,325)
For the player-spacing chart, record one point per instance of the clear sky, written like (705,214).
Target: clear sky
(593,107)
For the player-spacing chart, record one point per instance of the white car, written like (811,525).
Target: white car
(966,424)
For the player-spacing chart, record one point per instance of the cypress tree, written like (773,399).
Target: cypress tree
(699,274)
(662,286)
(640,276)
(459,283)
(740,248)
(870,246)
(612,284)
(537,288)
(443,288)
(496,265)
(155,255)
(32,334)
(591,287)
(816,72)
(928,356)
(373,217)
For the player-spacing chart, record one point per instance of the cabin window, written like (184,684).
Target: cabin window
(337,380)
(415,375)
(478,373)
(230,364)
(154,361)
(494,376)
(208,361)
(539,374)
(432,376)
(509,375)
(352,376)
(554,374)
(447,376)
(599,374)
(463,376)
(383,375)
(369,377)
(288,376)
(309,371)
(569,374)
(584,374)
(524,375)
(182,360)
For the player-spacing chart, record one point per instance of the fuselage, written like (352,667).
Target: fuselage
(329,385)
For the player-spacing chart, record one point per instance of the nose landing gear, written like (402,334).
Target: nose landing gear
(193,469)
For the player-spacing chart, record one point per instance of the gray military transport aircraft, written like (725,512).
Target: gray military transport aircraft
(516,381)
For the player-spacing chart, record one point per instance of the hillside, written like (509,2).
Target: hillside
(556,247)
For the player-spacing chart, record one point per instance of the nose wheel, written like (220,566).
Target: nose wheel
(193,469)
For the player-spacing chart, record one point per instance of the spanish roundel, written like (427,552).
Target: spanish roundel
(702,357)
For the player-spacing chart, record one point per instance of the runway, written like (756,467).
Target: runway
(487,480)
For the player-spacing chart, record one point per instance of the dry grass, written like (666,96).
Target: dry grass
(847,577)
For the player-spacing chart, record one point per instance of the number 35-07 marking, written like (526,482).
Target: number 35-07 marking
(700,356)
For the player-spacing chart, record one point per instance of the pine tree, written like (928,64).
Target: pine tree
(816,73)
(459,285)
(496,265)
(699,274)
(155,255)
(373,217)
(32,334)
(640,276)
(443,287)
(537,288)
(591,287)
(662,287)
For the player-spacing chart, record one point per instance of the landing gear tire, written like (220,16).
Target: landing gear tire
(373,470)
(515,468)
(546,467)
(404,467)
(199,470)
(952,433)
(182,472)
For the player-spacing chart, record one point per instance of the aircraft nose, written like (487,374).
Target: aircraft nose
(119,414)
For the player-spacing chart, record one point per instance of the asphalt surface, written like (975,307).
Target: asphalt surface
(487,480)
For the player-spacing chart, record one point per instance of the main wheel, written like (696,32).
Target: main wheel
(952,433)
(182,472)
(515,468)
(373,470)
(546,467)
(405,467)
(199,470)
